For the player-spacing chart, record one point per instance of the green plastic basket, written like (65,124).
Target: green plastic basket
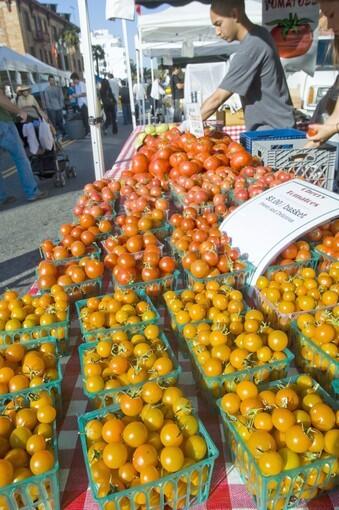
(324,256)
(53,387)
(236,279)
(272,314)
(202,469)
(311,359)
(219,385)
(36,492)
(294,267)
(288,488)
(59,330)
(160,232)
(107,397)
(92,335)
(178,328)
(94,251)
(153,288)
(85,289)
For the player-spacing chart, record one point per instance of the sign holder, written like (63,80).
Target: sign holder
(263,226)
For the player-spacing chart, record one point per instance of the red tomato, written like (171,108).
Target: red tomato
(139,163)
(240,159)
(188,168)
(159,167)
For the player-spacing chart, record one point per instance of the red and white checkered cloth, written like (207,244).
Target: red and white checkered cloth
(227,490)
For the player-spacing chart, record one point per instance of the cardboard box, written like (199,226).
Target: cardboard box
(234,119)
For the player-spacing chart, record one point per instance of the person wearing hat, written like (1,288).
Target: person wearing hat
(27,102)
(10,142)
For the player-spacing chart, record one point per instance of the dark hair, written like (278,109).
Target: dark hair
(123,83)
(105,86)
(223,7)
(75,76)
(51,76)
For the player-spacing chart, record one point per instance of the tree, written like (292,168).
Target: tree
(70,38)
(98,55)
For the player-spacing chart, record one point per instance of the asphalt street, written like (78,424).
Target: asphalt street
(24,225)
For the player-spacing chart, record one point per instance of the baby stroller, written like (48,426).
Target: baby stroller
(46,162)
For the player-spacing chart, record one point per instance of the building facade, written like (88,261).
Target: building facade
(115,55)
(28,26)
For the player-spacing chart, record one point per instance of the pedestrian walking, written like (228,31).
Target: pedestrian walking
(109,104)
(81,97)
(125,103)
(11,142)
(177,88)
(53,99)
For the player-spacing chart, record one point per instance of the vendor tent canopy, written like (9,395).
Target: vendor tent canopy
(165,32)
(174,3)
(10,60)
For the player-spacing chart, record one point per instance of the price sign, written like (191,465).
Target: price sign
(263,226)
(196,126)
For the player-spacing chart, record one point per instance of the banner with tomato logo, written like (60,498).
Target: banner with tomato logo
(293,25)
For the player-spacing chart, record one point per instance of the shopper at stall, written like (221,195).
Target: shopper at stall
(81,97)
(325,120)
(177,88)
(125,103)
(54,103)
(255,72)
(27,102)
(10,142)
(109,104)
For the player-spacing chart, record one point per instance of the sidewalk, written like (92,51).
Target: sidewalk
(24,225)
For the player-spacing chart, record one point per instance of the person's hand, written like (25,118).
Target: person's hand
(319,133)
(23,115)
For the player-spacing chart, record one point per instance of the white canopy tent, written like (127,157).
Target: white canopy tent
(10,60)
(165,32)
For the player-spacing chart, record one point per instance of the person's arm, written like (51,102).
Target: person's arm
(10,107)
(324,131)
(212,103)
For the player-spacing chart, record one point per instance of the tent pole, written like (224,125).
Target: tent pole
(152,70)
(142,78)
(93,111)
(138,80)
(129,74)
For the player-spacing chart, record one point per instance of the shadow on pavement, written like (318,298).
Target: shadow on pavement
(18,272)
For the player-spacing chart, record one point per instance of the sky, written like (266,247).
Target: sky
(97,18)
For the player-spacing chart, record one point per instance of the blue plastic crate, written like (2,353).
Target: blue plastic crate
(249,137)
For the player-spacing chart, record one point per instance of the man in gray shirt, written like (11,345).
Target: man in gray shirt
(54,104)
(255,71)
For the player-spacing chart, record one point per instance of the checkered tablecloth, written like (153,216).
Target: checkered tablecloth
(227,490)
(128,150)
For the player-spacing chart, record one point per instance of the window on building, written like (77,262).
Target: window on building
(27,21)
(55,33)
(41,55)
(32,51)
(79,65)
(46,56)
(66,63)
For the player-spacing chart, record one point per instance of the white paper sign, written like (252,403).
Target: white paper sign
(263,226)
(293,26)
(120,9)
(194,118)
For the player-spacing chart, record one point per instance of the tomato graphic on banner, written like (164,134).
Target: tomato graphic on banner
(293,36)
(294,28)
